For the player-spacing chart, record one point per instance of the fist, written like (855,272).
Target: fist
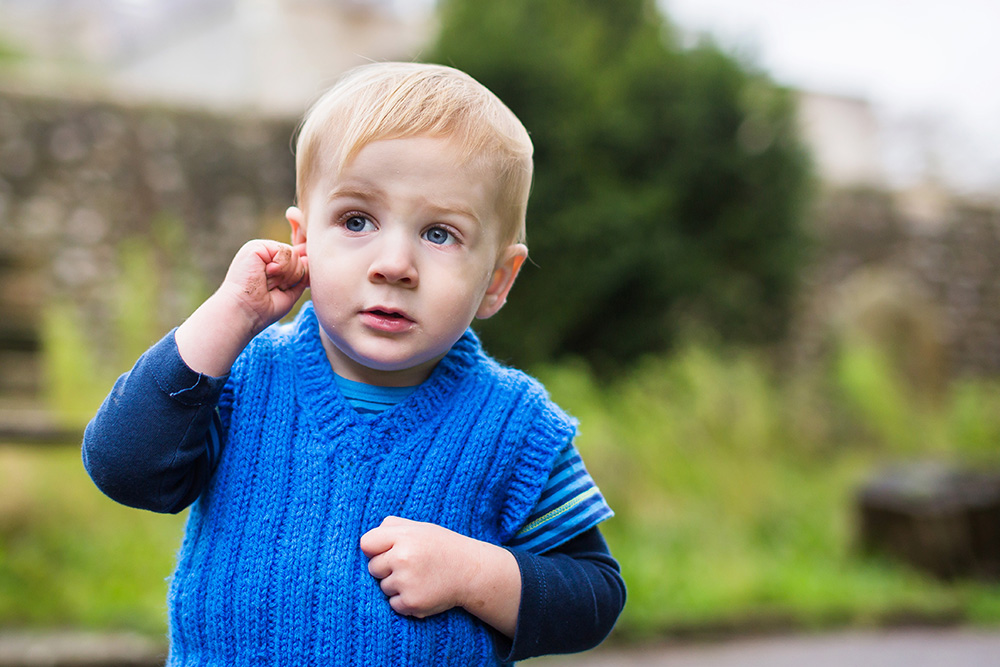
(267,278)
(420,566)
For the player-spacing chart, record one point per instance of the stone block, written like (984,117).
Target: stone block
(935,517)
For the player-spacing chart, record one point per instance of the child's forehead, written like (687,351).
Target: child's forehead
(428,171)
(339,166)
(342,154)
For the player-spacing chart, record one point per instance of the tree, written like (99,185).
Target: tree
(668,182)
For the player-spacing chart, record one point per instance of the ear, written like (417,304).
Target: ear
(503,279)
(298,222)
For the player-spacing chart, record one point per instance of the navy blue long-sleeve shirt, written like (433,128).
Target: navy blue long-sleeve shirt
(147,447)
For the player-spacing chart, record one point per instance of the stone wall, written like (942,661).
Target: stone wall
(77,179)
(927,293)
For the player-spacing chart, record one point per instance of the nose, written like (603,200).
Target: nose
(394,262)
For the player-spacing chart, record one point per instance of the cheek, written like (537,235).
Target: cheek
(475,278)
(473,295)
(325,258)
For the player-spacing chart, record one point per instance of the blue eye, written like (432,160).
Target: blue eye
(439,236)
(357,223)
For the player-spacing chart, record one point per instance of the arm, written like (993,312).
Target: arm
(425,569)
(146,446)
(571,597)
(562,601)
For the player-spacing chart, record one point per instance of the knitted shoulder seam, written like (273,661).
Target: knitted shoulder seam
(549,432)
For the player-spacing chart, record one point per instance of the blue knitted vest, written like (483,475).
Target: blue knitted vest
(270,570)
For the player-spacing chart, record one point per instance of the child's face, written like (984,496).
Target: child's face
(403,253)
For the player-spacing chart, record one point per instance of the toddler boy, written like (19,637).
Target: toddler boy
(366,485)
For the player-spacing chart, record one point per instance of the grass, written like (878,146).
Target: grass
(735,493)
(69,557)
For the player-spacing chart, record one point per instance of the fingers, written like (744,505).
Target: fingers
(400,605)
(380,566)
(381,539)
(286,269)
(407,603)
(411,561)
(284,265)
(376,541)
(377,544)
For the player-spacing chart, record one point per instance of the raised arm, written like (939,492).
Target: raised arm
(264,281)
(149,445)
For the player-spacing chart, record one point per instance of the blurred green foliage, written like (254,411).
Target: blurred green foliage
(157,286)
(734,491)
(69,557)
(9,53)
(669,182)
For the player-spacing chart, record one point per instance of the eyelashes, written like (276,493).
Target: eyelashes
(439,235)
(357,223)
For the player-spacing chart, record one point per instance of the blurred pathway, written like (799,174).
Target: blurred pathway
(898,648)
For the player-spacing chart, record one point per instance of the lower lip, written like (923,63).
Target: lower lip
(385,323)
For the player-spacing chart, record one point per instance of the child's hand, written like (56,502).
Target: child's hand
(425,569)
(267,278)
(264,281)
(419,564)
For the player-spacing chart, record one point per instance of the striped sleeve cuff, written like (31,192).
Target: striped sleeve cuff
(570,504)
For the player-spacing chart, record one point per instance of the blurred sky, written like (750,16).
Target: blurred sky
(930,68)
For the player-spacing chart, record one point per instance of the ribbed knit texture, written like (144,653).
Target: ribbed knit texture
(270,570)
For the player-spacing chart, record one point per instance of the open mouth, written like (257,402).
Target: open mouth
(387,321)
(390,314)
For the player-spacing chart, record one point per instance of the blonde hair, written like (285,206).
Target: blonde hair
(397,100)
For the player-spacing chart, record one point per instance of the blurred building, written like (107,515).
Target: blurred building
(265,56)
(273,57)
(844,135)
(849,147)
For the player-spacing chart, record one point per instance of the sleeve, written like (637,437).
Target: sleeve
(571,598)
(569,505)
(154,440)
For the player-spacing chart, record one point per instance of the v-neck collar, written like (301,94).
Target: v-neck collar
(330,410)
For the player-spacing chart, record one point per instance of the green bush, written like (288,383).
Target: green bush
(733,488)
(157,286)
(669,182)
(69,557)
(735,491)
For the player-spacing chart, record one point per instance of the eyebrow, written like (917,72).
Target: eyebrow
(453,208)
(354,191)
(368,193)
